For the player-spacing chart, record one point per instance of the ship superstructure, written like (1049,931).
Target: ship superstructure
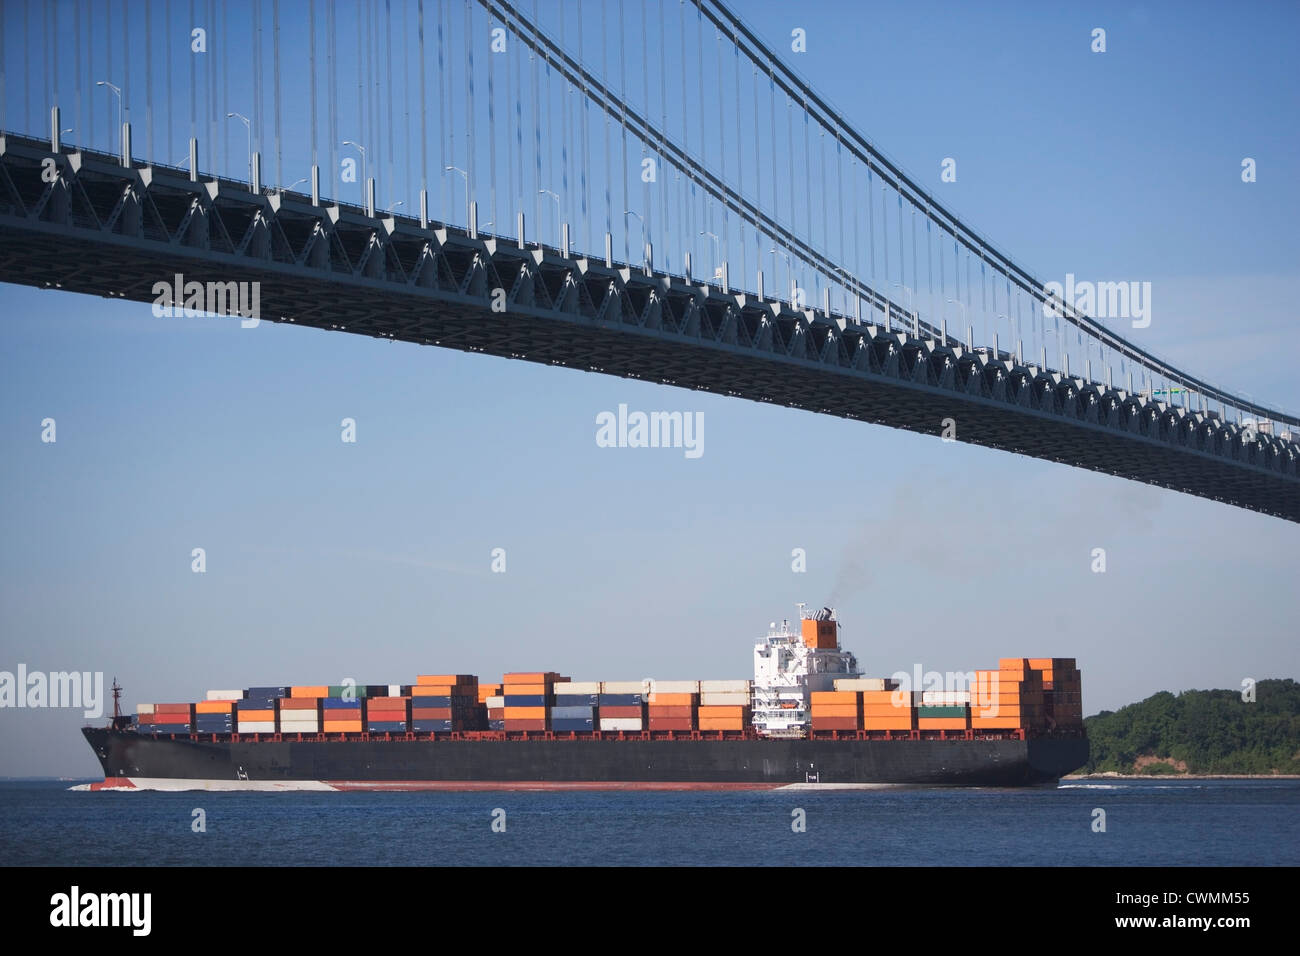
(790,665)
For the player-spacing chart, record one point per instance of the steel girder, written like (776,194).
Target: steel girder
(90,225)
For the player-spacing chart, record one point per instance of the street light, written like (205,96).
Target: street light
(963,313)
(548,192)
(394,205)
(629,212)
(465,176)
(717,253)
(789,270)
(910,309)
(364,178)
(249,127)
(118,93)
(292,184)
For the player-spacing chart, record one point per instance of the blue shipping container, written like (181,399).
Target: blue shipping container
(565,713)
(338,703)
(387,727)
(568,724)
(435,701)
(496,725)
(577,700)
(268,692)
(431,726)
(620,700)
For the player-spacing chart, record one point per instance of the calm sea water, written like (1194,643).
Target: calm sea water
(1206,822)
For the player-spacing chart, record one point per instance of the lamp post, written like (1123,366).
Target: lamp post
(365,179)
(717,253)
(558,228)
(629,212)
(118,93)
(249,127)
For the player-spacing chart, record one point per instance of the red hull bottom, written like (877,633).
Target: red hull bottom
(472,786)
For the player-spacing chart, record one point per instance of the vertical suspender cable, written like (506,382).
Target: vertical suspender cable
(148,80)
(167,66)
(622,117)
(194,110)
(311,59)
(469,101)
(660,183)
(389,95)
(220,50)
(225,82)
(445,148)
(424,141)
(584,154)
(492,132)
(537,130)
(331,70)
(740,152)
(604,78)
(646,205)
(722,152)
(275,66)
(687,218)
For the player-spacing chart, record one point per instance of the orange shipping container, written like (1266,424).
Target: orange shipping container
(512,690)
(941,723)
(886,723)
(525,713)
(674,700)
(252,716)
(445,680)
(840,697)
(530,677)
(721,723)
(214,706)
(435,690)
(342,726)
(874,710)
(314,690)
(298,703)
(834,723)
(830,710)
(886,698)
(723,713)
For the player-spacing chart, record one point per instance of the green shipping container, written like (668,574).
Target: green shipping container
(342,690)
(936,711)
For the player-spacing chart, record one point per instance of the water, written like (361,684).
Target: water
(1181,822)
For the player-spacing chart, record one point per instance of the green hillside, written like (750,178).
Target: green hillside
(1201,731)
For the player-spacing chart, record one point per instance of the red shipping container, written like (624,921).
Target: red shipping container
(298,703)
(664,710)
(172,708)
(671,723)
(834,723)
(494,713)
(431,713)
(631,712)
(525,725)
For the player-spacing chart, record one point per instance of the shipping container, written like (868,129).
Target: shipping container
(530,725)
(576,700)
(875,684)
(446,679)
(339,703)
(214,706)
(577,687)
(622,712)
(386,726)
(620,723)
(496,701)
(724,699)
(436,726)
(674,686)
(621,700)
(942,723)
(256,727)
(935,711)
(623,687)
(671,723)
(144,708)
(725,686)
(674,698)
(309,690)
(530,677)
(525,713)
(268,691)
(432,713)
(723,713)
(568,712)
(304,704)
(254,716)
(671,710)
(834,723)
(835,710)
(526,700)
(721,723)
(225,695)
(840,697)
(572,724)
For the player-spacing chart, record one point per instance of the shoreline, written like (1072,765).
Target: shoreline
(1112,775)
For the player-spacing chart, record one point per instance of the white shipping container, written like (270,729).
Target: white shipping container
(225,695)
(144,708)
(620,723)
(724,700)
(496,701)
(674,686)
(945,697)
(255,727)
(861,683)
(724,687)
(623,687)
(579,687)
(394,690)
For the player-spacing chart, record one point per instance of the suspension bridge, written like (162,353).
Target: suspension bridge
(633,188)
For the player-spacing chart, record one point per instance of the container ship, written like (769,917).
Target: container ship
(807,718)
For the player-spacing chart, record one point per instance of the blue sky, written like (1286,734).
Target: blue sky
(371,560)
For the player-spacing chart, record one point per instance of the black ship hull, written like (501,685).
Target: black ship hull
(144,761)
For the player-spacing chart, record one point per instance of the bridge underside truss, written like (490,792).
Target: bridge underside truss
(83,223)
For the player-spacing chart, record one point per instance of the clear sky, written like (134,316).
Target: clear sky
(371,560)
